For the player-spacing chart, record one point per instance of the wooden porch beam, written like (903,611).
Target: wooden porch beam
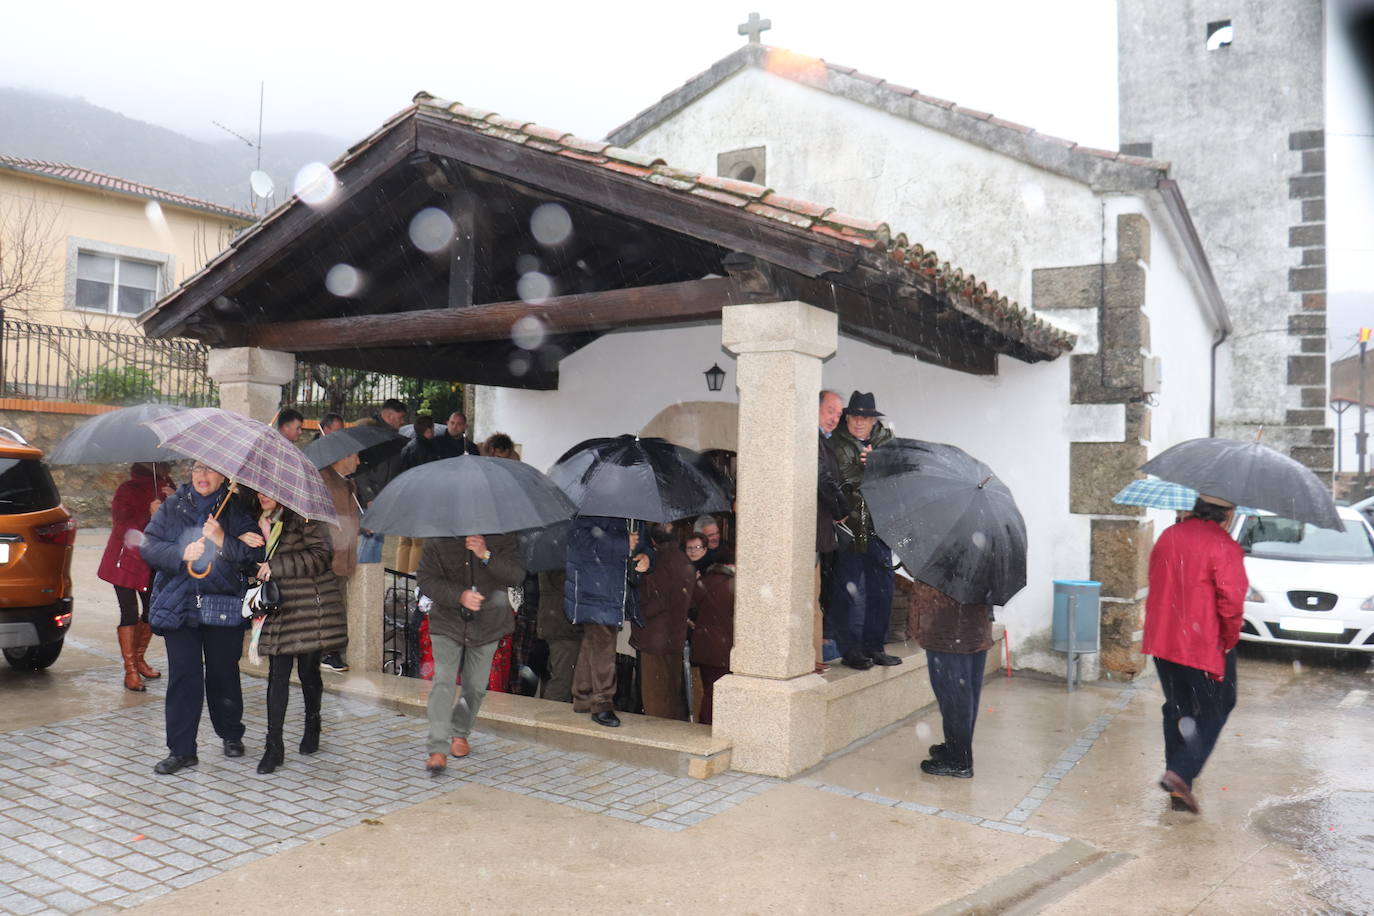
(694,300)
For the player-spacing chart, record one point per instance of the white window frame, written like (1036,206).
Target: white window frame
(165,264)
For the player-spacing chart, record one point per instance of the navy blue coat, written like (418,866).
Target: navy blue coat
(177,523)
(598,560)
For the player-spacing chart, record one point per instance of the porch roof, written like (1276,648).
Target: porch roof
(650,245)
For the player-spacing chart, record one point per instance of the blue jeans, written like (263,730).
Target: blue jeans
(1190,693)
(957,679)
(370,547)
(861,598)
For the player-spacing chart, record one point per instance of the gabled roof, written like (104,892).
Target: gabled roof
(72,174)
(1102,170)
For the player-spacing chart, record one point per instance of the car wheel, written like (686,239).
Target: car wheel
(34,658)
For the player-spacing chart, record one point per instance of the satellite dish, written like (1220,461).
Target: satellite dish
(261,183)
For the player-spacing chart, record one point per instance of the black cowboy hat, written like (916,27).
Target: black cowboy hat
(861,404)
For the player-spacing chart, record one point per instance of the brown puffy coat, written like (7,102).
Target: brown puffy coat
(312,616)
(941,624)
(665,593)
(714,601)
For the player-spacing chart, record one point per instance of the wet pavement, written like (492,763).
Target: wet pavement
(1063,815)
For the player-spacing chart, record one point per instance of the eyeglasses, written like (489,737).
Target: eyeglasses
(691,548)
(202,469)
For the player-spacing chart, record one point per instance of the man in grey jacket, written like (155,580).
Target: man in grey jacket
(466,578)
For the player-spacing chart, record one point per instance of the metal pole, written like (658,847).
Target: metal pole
(1073,627)
(1361,440)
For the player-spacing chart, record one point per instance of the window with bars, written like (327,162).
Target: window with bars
(115,285)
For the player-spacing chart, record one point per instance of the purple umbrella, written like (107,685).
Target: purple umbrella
(248,452)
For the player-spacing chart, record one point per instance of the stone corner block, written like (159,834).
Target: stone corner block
(775,728)
(765,327)
(1121,555)
(250,364)
(1098,471)
(1133,237)
(1067,287)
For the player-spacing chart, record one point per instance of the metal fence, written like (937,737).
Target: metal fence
(401,618)
(318,389)
(49,362)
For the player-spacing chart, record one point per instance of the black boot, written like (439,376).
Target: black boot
(278,690)
(312,689)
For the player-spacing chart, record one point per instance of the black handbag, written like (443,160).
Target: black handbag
(219,610)
(269,598)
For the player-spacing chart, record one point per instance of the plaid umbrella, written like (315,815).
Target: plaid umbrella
(1161,494)
(248,452)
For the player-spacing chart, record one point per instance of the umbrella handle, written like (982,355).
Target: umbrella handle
(233,488)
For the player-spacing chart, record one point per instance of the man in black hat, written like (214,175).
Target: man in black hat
(861,584)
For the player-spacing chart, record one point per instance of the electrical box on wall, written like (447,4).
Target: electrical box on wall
(1152,375)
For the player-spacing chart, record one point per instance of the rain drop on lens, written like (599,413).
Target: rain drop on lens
(315,184)
(1187,728)
(343,280)
(922,732)
(431,230)
(980,540)
(528,333)
(526,263)
(550,224)
(152,210)
(534,287)
(519,365)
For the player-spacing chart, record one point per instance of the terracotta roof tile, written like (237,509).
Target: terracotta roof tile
(856,222)
(899,89)
(675,183)
(625,168)
(586,146)
(932,100)
(514,136)
(734,186)
(804,207)
(1092,151)
(600,160)
(77,175)
(469,113)
(1060,141)
(782,216)
(632,156)
(721,197)
(847,71)
(544,145)
(546,133)
(508,123)
(866,242)
(680,174)
(972,113)
(1011,125)
(875,80)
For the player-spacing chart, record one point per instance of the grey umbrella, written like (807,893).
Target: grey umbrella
(1250,474)
(468,495)
(117,437)
(326,450)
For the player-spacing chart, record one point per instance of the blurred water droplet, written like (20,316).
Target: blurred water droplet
(550,224)
(519,365)
(852,589)
(315,184)
(1033,197)
(343,280)
(980,540)
(534,287)
(766,592)
(1187,727)
(431,230)
(153,211)
(1297,666)
(528,333)
(922,732)
(526,263)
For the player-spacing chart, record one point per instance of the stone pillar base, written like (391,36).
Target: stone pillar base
(775,727)
(250,379)
(366,595)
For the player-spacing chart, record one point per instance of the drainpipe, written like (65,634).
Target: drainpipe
(1222,334)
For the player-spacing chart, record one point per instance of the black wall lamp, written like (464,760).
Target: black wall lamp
(715,377)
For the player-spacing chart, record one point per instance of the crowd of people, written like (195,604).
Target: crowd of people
(182,558)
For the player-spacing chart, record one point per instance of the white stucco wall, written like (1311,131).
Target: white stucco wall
(1017,422)
(986,213)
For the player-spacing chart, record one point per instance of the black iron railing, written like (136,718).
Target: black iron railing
(318,389)
(50,362)
(401,618)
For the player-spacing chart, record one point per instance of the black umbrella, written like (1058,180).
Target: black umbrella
(952,523)
(1248,474)
(543,549)
(454,497)
(326,450)
(117,437)
(648,479)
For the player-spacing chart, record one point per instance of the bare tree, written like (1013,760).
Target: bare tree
(28,252)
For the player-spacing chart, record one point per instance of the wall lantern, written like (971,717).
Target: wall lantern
(715,377)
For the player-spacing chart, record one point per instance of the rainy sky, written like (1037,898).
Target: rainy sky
(341,69)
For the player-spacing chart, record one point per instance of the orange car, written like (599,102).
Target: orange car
(36,538)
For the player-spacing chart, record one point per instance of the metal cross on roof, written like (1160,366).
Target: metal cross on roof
(755,27)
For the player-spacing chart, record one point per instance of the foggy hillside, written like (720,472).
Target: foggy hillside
(38,125)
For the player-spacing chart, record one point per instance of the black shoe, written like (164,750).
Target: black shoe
(938,767)
(169,765)
(333,661)
(856,659)
(938,752)
(272,757)
(882,658)
(233,747)
(607,718)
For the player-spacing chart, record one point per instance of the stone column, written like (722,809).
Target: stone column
(366,597)
(250,379)
(770,706)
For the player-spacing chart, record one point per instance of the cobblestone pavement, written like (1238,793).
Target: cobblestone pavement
(87,824)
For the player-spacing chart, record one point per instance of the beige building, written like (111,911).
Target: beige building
(82,256)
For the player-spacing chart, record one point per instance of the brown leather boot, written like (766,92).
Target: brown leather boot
(145,634)
(127,647)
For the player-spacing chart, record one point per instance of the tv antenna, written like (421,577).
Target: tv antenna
(259,181)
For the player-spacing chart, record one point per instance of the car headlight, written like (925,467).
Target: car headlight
(1256,597)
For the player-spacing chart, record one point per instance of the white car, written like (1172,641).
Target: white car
(1309,586)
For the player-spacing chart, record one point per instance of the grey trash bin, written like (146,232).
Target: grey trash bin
(1078,600)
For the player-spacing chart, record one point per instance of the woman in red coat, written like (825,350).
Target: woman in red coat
(122,566)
